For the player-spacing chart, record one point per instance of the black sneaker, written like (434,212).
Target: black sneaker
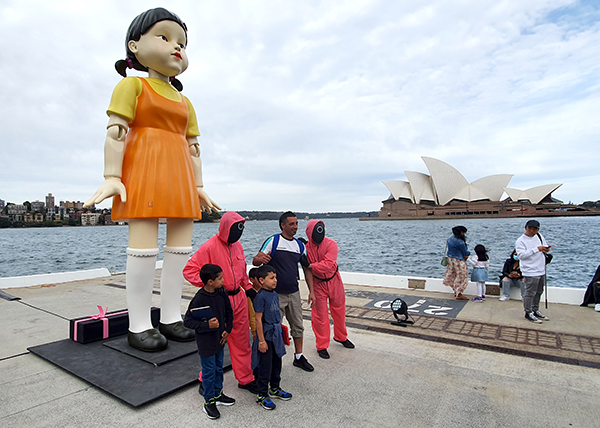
(529,316)
(303,364)
(223,400)
(249,387)
(323,353)
(346,343)
(211,410)
(540,316)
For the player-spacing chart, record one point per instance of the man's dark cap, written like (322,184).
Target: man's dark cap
(533,223)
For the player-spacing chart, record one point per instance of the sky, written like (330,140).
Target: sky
(310,105)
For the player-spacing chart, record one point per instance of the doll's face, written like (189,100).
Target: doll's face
(162,49)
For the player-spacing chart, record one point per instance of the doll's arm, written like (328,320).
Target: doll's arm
(206,202)
(114,149)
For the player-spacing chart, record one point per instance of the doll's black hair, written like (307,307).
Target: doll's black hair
(140,26)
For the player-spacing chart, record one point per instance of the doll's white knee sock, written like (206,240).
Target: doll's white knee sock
(139,279)
(171,283)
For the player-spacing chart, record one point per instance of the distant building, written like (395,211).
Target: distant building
(28,217)
(446,192)
(90,219)
(38,207)
(2,204)
(108,220)
(16,211)
(72,205)
(50,208)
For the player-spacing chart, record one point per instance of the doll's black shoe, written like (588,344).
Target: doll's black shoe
(177,331)
(148,341)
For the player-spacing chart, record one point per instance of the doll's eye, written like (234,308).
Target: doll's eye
(164,38)
(181,45)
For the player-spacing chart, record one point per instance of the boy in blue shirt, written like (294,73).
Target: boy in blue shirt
(268,348)
(211,335)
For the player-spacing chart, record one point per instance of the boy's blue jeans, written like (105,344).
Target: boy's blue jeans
(212,375)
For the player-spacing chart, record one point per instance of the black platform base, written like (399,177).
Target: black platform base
(121,371)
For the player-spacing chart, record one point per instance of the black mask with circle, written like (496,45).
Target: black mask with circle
(235,232)
(318,233)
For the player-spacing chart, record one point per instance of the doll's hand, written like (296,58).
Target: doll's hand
(112,186)
(206,202)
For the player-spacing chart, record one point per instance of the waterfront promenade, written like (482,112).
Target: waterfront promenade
(486,366)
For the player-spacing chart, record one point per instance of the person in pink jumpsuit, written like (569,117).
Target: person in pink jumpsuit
(225,250)
(322,255)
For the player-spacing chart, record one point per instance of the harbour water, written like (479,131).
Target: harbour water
(411,247)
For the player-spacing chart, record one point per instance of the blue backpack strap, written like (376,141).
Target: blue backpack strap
(275,243)
(301,245)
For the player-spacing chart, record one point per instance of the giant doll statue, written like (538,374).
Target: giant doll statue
(152,168)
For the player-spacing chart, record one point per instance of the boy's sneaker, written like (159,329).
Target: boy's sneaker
(477,299)
(303,364)
(597,307)
(266,402)
(483,297)
(211,410)
(529,316)
(223,400)
(280,393)
(540,316)
(504,298)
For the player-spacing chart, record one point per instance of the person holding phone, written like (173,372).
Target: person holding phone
(531,248)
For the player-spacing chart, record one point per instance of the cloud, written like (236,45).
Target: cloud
(311,105)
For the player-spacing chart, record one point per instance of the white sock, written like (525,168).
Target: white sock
(171,283)
(298,355)
(480,289)
(139,280)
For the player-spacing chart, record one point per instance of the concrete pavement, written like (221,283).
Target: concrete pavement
(463,375)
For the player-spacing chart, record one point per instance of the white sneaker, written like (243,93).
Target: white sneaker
(504,298)
(597,307)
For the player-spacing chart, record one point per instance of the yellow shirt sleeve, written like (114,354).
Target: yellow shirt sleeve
(192,129)
(124,98)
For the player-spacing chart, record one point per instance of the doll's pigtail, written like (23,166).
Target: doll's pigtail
(176,83)
(122,65)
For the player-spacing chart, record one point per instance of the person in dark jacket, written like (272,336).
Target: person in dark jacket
(212,321)
(511,275)
(592,294)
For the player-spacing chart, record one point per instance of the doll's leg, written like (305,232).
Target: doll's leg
(141,264)
(177,253)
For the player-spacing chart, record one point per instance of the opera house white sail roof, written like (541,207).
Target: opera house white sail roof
(446,184)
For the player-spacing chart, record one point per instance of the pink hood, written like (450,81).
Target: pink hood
(229,218)
(322,257)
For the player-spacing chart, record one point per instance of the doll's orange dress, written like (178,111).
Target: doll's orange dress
(157,167)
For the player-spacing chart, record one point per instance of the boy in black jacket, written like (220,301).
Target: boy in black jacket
(212,324)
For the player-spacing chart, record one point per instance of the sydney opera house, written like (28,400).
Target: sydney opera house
(445,192)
